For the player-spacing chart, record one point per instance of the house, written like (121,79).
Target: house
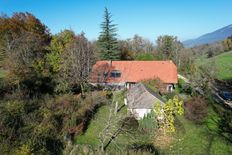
(124,74)
(140,100)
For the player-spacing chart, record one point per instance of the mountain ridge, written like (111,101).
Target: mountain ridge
(217,35)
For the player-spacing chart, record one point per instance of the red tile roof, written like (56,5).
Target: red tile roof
(135,71)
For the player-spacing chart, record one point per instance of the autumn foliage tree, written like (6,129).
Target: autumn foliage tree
(169,47)
(13,27)
(57,47)
(77,61)
(227,44)
(196,109)
(166,113)
(23,42)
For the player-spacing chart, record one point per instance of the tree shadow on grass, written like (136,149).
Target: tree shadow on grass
(179,126)
(142,148)
(89,114)
(221,123)
(218,125)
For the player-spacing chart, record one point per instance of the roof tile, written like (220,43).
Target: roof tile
(135,71)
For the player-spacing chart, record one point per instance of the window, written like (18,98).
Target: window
(169,88)
(115,73)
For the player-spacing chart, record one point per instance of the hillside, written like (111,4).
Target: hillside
(212,37)
(223,63)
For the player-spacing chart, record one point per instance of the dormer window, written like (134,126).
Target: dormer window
(115,74)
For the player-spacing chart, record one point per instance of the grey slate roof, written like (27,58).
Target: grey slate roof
(139,97)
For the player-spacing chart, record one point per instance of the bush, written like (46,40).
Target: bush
(169,95)
(148,124)
(145,56)
(156,85)
(184,87)
(146,148)
(196,110)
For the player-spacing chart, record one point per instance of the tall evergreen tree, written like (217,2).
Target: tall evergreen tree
(107,41)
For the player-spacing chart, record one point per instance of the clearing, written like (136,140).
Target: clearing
(223,64)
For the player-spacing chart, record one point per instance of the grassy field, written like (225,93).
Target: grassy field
(199,139)
(223,64)
(189,138)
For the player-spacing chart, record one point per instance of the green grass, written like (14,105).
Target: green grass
(198,139)
(91,136)
(223,64)
(189,138)
(145,57)
(122,141)
(1,73)
(96,125)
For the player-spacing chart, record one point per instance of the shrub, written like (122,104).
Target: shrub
(146,148)
(155,85)
(145,56)
(148,124)
(196,110)
(169,95)
(187,89)
(184,87)
(23,150)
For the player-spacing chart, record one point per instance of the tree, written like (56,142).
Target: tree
(169,47)
(186,60)
(25,66)
(137,48)
(141,45)
(13,28)
(125,50)
(115,124)
(23,42)
(196,109)
(2,55)
(203,77)
(107,40)
(148,123)
(227,44)
(166,113)
(57,46)
(77,61)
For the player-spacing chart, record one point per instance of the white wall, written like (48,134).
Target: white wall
(139,113)
(169,89)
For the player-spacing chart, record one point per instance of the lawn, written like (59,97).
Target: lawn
(1,73)
(198,139)
(189,138)
(122,141)
(223,64)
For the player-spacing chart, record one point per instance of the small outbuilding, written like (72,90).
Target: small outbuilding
(141,100)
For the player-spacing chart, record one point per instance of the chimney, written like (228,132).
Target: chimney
(110,63)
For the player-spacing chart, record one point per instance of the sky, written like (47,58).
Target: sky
(185,19)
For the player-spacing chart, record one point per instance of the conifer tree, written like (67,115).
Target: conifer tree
(107,41)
